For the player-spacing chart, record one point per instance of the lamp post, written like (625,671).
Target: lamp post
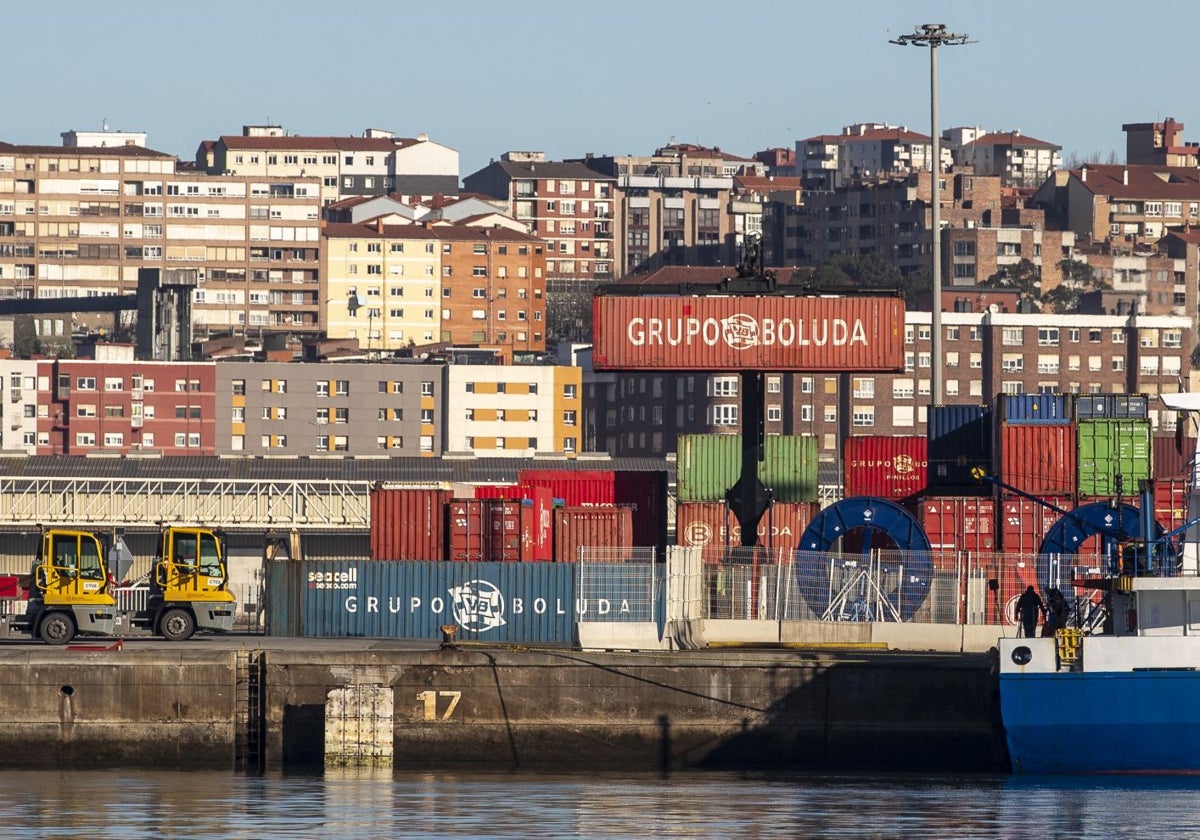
(934,35)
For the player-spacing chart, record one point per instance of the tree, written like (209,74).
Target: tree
(1024,277)
(26,343)
(1078,278)
(869,271)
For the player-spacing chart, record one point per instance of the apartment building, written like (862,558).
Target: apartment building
(81,221)
(566,204)
(19,406)
(680,205)
(394,287)
(493,288)
(116,406)
(381,285)
(297,409)
(1017,159)
(377,163)
(1136,205)
(514,411)
(862,151)
(1159,144)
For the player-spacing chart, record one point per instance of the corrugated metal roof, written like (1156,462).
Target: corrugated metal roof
(401,470)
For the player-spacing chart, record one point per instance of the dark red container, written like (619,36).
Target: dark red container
(955,524)
(497,491)
(1170,502)
(674,332)
(484,530)
(712,524)
(643,491)
(885,467)
(1171,456)
(1022,523)
(600,526)
(408,524)
(1012,575)
(537,526)
(1038,459)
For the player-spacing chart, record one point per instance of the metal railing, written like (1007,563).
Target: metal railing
(620,585)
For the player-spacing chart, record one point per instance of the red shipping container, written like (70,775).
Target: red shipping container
(537,526)
(885,467)
(485,530)
(497,491)
(673,332)
(643,491)
(408,524)
(608,527)
(1171,458)
(957,523)
(1023,523)
(1038,459)
(1170,502)
(712,524)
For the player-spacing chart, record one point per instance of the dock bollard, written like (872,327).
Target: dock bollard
(448,631)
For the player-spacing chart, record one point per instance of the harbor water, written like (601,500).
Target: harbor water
(503,805)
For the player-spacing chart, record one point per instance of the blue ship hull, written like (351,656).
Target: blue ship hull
(1102,722)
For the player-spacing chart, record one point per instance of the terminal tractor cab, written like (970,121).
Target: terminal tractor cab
(187,584)
(69,589)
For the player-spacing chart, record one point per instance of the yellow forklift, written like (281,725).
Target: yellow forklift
(188,585)
(69,589)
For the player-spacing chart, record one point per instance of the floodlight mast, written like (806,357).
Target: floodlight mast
(934,35)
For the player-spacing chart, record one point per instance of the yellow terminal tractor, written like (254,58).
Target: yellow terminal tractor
(188,585)
(69,589)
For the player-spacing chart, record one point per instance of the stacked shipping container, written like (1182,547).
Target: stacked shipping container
(886,467)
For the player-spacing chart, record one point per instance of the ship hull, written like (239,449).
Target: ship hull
(1102,722)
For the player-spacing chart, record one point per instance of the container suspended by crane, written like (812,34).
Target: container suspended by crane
(751,324)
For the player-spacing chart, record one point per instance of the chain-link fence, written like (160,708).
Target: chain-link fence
(964,588)
(619,585)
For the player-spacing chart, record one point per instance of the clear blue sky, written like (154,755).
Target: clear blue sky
(617,77)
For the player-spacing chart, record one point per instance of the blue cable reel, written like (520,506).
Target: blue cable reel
(903,579)
(1116,526)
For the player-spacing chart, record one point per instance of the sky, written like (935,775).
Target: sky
(616,77)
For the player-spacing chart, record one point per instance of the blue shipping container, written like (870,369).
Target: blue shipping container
(529,603)
(960,438)
(1035,409)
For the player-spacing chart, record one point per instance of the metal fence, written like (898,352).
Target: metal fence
(964,588)
(619,585)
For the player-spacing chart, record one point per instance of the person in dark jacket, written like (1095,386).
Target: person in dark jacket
(1029,608)
(1056,612)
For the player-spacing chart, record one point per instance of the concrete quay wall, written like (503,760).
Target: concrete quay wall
(500,708)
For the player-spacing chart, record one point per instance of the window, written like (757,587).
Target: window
(864,388)
(568,418)
(902,389)
(723,415)
(1012,336)
(239,387)
(806,385)
(863,415)
(323,388)
(1073,335)
(85,439)
(341,387)
(724,386)
(427,415)
(1048,363)
(902,415)
(1048,336)
(85,383)
(570,392)
(775,413)
(1012,362)
(341,415)
(113,383)
(774,385)
(1118,336)
(427,389)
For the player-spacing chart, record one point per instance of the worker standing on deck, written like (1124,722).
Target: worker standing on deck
(1029,607)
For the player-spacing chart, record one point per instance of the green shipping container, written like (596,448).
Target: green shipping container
(708,465)
(1108,448)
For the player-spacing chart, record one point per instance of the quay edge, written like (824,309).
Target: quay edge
(513,708)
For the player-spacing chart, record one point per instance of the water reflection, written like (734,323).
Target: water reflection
(373,803)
